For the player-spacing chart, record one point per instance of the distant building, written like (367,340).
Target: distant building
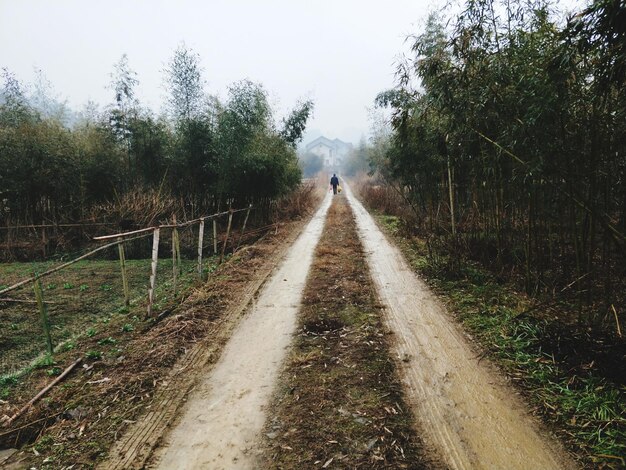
(333,152)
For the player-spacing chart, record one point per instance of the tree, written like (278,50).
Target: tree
(357,160)
(295,123)
(311,164)
(14,108)
(47,103)
(183,78)
(123,83)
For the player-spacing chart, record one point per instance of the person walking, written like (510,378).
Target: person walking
(334,182)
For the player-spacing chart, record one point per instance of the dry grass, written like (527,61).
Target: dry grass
(340,403)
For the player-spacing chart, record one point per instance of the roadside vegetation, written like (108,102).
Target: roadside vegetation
(105,170)
(507,142)
(201,154)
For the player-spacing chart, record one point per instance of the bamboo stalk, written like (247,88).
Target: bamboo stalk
(619,330)
(43,312)
(451,194)
(214,236)
(153,271)
(200,240)
(101,224)
(120,248)
(174,257)
(230,222)
(243,229)
(44,242)
(23,301)
(124,234)
(45,390)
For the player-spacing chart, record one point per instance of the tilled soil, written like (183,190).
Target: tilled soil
(339,402)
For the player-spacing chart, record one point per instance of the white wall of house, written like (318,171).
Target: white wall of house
(331,152)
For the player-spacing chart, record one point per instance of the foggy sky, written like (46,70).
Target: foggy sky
(340,53)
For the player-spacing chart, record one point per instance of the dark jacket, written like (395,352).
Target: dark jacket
(334,181)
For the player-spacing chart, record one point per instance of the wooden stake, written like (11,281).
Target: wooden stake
(43,312)
(451,194)
(174,256)
(120,248)
(153,272)
(214,236)
(243,229)
(230,222)
(44,242)
(200,241)
(22,410)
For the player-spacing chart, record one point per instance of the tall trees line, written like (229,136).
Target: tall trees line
(206,152)
(509,133)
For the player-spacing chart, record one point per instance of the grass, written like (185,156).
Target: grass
(586,409)
(81,300)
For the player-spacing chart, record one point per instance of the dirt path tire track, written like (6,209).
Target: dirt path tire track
(472,418)
(137,444)
(225,412)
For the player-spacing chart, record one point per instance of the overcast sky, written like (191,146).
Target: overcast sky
(340,53)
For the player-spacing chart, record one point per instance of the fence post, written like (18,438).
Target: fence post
(43,312)
(44,242)
(155,259)
(200,240)
(243,229)
(175,249)
(120,249)
(230,221)
(214,236)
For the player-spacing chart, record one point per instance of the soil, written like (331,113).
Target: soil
(339,402)
(471,416)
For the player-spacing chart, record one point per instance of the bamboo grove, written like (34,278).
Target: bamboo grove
(58,165)
(508,141)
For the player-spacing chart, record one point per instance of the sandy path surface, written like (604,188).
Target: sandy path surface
(470,416)
(226,412)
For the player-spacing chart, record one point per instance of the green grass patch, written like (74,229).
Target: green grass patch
(80,299)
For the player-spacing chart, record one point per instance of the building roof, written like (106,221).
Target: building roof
(334,144)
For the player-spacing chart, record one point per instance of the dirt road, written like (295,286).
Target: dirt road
(226,411)
(470,416)
(472,419)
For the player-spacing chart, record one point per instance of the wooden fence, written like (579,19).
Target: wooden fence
(120,240)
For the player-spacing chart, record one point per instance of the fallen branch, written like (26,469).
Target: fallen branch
(22,410)
(24,426)
(23,301)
